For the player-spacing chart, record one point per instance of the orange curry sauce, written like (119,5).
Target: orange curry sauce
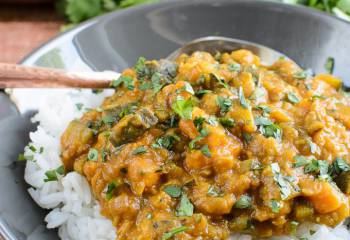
(208,146)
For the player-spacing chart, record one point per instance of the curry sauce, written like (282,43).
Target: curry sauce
(209,145)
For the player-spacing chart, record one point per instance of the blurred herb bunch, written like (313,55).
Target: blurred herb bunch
(339,8)
(77,11)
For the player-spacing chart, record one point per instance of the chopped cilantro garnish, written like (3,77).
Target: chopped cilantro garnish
(291,97)
(157,84)
(257,93)
(79,106)
(139,150)
(338,166)
(205,150)
(104,154)
(93,154)
(268,128)
(141,68)
(227,122)
(203,134)
(265,109)
(126,80)
(214,192)
(242,99)
(243,202)
(173,190)
(300,75)
(234,67)
(183,107)
(51,175)
(281,181)
(166,142)
(198,122)
(110,189)
(300,161)
(108,119)
(188,88)
(173,232)
(185,207)
(246,137)
(313,146)
(329,65)
(201,92)
(224,104)
(221,81)
(275,206)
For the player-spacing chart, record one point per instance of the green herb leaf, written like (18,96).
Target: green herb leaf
(203,134)
(275,206)
(227,122)
(243,202)
(139,150)
(214,192)
(173,190)
(300,75)
(126,80)
(338,166)
(205,150)
(79,106)
(242,99)
(201,92)
(185,207)
(300,161)
(224,104)
(109,119)
(183,107)
(292,97)
(110,189)
(234,67)
(198,122)
(166,142)
(173,232)
(246,137)
(266,110)
(257,93)
(329,65)
(60,170)
(267,128)
(284,185)
(51,175)
(313,146)
(92,155)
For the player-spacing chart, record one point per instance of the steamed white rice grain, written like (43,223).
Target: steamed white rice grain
(74,210)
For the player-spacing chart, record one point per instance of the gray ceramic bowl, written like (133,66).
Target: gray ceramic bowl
(116,40)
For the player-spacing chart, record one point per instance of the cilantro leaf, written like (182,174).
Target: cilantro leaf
(275,206)
(329,65)
(183,107)
(224,104)
(93,154)
(214,192)
(185,207)
(139,150)
(173,232)
(291,97)
(166,142)
(173,190)
(242,99)
(126,80)
(203,134)
(243,202)
(205,150)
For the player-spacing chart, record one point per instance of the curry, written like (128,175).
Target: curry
(210,145)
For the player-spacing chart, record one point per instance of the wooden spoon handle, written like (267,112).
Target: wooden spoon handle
(17,76)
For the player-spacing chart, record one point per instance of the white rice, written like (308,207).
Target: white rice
(74,210)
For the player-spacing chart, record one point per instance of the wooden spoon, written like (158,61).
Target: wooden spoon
(18,76)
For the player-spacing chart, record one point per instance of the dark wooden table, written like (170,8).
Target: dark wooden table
(24,27)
